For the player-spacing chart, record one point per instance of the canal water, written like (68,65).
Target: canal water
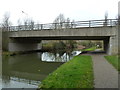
(28,70)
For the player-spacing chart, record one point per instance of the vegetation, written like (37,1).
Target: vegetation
(59,45)
(114,61)
(5,28)
(76,73)
(62,22)
(89,49)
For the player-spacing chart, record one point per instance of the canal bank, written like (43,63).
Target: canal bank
(28,70)
(76,73)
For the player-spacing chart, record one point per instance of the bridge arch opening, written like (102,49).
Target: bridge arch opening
(34,43)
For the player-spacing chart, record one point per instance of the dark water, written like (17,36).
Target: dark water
(28,70)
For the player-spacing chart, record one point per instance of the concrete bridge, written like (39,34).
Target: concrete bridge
(28,37)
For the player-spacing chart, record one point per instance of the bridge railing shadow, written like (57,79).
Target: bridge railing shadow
(66,25)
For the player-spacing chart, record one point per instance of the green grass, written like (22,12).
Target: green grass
(113,60)
(76,73)
(89,49)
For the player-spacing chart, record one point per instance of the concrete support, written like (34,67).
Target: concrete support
(113,45)
(0,58)
(24,45)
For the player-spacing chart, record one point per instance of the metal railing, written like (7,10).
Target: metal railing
(65,25)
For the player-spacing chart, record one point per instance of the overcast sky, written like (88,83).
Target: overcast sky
(45,11)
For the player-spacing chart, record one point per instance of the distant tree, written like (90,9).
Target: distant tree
(68,23)
(71,44)
(31,24)
(6,22)
(5,28)
(19,24)
(58,22)
(28,24)
(73,25)
(106,19)
(118,20)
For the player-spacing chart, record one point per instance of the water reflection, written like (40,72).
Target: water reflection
(59,57)
(28,70)
(55,57)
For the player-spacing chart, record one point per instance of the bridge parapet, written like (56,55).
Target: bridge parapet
(64,25)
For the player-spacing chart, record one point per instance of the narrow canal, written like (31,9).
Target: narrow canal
(28,70)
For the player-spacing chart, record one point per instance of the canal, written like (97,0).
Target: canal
(28,70)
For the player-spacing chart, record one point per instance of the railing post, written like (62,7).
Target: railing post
(61,24)
(71,25)
(89,23)
(111,22)
(55,26)
(38,26)
(41,26)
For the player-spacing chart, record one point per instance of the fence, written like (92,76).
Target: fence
(64,25)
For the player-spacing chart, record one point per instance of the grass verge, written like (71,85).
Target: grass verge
(89,49)
(76,73)
(114,61)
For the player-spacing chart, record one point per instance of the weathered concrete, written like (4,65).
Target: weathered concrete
(24,44)
(0,58)
(93,31)
(107,34)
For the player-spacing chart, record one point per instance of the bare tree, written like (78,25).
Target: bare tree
(106,19)
(6,22)
(5,28)
(31,24)
(118,20)
(58,22)
(68,23)
(61,22)
(28,24)
(19,24)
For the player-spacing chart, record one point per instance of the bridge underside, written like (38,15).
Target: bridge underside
(33,43)
(33,39)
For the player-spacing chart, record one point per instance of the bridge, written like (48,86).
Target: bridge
(28,37)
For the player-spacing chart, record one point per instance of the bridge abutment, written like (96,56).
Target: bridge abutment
(113,46)
(24,45)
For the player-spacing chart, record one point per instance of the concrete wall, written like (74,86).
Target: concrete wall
(0,39)
(119,39)
(23,45)
(0,56)
(111,44)
(95,31)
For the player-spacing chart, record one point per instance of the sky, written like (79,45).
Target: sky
(45,11)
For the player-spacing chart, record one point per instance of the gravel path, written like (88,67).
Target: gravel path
(105,75)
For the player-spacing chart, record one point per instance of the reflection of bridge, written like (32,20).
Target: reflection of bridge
(27,37)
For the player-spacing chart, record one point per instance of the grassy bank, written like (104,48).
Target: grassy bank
(6,53)
(76,73)
(89,49)
(114,61)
